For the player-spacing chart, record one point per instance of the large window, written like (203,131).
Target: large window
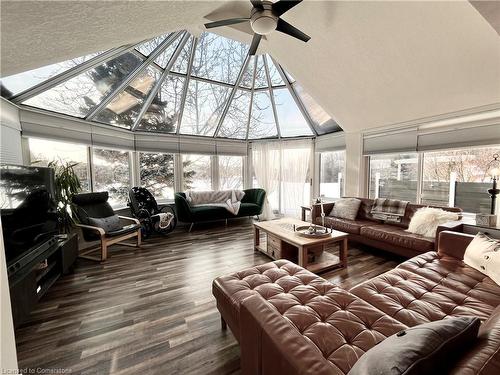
(42,152)
(458,178)
(331,174)
(230,172)
(197,172)
(157,174)
(394,176)
(112,174)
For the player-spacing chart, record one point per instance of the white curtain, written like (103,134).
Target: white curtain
(266,165)
(281,168)
(295,183)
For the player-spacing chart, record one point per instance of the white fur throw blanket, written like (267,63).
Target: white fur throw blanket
(229,199)
(426,220)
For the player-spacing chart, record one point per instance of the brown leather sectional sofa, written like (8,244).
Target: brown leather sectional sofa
(291,321)
(375,233)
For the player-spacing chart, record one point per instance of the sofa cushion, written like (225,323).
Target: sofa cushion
(346,208)
(208,213)
(345,225)
(398,236)
(453,273)
(108,224)
(424,349)
(483,254)
(414,299)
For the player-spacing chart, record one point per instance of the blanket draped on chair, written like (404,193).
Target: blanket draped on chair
(389,209)
(228,199)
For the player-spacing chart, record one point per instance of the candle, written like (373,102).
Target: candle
(322,209)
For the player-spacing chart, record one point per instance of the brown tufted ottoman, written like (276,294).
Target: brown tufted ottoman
(341,325)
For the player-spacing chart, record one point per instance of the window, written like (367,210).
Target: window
(458,178)
(235,123)
(331,174)
(157,174)
(112,174)
(262,124)
(42,152)
(197,172)
(394,176)
(291,121)
(230,172)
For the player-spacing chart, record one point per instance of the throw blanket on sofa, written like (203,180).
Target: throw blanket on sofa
(388,209)
(229,199)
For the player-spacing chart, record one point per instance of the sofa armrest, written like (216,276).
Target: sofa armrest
(453,226)
(183,208)
(316,210)
(453,243)
(270,344)
(126,218)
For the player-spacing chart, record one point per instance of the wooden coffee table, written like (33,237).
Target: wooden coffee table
(283,243)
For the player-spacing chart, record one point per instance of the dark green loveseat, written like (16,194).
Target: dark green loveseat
(251,205)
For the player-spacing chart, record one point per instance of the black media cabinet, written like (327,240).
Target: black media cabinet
(31,279)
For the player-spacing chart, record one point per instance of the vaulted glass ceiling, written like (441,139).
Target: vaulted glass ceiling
(177,83)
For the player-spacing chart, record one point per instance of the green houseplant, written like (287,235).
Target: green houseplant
(67,184)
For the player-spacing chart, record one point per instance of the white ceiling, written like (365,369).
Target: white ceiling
(369,64)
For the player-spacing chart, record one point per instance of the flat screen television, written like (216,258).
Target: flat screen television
(27,208)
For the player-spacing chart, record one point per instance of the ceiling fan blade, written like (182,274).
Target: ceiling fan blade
(283,6)
(230,21)
(255,44)
(288,29)
(257,4)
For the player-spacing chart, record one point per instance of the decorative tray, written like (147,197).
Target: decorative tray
(312,231)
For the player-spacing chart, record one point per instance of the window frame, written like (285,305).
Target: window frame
(318,171)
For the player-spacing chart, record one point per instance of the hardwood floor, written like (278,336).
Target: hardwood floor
(151,310)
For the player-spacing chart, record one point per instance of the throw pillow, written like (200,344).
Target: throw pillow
(346,208)
(426,220)
(109,224)
(483,254)
(423,349)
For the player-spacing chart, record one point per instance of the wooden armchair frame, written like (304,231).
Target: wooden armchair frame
(108,241)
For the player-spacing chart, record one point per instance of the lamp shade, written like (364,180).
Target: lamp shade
(494,167)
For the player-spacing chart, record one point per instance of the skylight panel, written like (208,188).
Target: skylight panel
(235,122)
(274,75)
(203,107)
(18,83)
(247,79)
(124,108)
(79,95)
(163,113)
(149,46)
(291,121)
(262,123)
(260,74)
(181,63)
(218,58)
(166,55)
(322,121)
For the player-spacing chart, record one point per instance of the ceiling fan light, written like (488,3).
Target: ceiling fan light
(263,24)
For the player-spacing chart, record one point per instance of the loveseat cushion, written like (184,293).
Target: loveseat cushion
(398,236)
(453,273)
(414,299)
(346,225)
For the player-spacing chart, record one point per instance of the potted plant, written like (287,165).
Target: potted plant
(67,184)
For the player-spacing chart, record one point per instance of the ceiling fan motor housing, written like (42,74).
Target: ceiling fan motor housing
(263,21)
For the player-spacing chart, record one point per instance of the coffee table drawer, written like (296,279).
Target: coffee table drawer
(273,246)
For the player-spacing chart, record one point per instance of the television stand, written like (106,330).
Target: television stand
(31,281)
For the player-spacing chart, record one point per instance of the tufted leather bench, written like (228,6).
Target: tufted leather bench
(291,321)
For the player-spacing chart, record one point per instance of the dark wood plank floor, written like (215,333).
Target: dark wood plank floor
(151,310)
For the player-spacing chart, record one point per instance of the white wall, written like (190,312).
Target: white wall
(354,166)
(10,133)
(8,355)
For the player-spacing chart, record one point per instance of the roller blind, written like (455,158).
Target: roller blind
(330,142)
(397,141)
(156,143)
(435,139)
(197,146)
(231,148)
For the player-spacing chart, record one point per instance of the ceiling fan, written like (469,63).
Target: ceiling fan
(264,19)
